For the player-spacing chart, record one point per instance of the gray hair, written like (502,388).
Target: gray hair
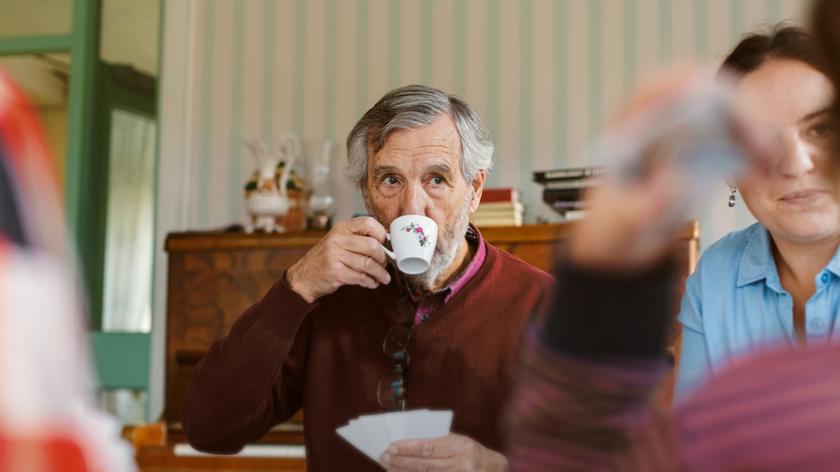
(416,106)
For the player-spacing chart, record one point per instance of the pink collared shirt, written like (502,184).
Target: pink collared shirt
(429,304)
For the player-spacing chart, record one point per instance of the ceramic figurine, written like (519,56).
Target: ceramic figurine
(265,195)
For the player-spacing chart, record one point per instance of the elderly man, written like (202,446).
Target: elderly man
(343,333)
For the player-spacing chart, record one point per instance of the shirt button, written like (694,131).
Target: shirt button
(816,325)
(825,277)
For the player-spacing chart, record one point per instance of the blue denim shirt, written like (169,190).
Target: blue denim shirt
(734,303)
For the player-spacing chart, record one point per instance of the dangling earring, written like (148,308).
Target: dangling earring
(732,196)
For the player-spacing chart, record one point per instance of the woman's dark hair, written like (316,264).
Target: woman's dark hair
(825,18)
(780,42)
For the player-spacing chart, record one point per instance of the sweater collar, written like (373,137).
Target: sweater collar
(475,240)
(396,301)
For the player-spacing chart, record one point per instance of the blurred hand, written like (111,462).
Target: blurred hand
(631,223)
(350,254)
(452,452)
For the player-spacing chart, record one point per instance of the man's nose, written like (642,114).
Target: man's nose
(413,201)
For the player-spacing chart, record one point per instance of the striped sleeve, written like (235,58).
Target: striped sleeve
(575,414)
(776,411)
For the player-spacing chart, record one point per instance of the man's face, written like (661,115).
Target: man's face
(418,172)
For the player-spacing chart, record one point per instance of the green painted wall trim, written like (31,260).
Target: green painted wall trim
(40,44)
(158,245)
(122,359)
(81,155)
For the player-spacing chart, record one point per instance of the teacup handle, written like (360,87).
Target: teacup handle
(389,252)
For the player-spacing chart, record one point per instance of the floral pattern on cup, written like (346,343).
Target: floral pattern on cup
(422,238)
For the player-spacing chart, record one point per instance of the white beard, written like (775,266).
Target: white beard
(448,243)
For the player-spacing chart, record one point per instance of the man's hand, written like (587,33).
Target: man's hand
(452,452)
(350,254)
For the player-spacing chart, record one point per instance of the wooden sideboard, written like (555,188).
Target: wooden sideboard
(213,277)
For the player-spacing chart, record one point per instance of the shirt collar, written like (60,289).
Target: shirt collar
(757,261)
(833,265)
(474,239)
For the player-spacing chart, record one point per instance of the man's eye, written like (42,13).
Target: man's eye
(390,180)
(437,180)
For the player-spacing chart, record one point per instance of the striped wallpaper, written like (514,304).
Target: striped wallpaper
(543,74)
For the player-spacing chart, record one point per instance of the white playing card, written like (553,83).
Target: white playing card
(397,423)
(372,434)
(429,424)
(377,430)
(355,435)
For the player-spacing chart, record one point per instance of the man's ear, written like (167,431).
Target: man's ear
(478,187)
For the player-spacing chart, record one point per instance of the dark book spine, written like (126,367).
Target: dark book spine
(542,177)
(565,195)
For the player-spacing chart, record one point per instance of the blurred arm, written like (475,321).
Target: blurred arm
(587,376)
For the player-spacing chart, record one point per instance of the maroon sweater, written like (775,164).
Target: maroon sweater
(326,357)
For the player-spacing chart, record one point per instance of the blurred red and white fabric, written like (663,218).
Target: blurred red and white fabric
(49,420)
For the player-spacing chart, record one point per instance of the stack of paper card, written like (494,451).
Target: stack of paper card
(372,434)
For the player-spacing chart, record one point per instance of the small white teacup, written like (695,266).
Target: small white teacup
(413,238)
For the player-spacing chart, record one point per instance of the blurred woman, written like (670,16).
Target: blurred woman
(779,279)
(589,370)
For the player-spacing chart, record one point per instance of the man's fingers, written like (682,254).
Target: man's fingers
(418,464)
(367,226)
(366,265)
(364,245)
(357,278)
(446,446)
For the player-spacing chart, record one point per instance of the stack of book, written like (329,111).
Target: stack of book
(563,188)
(498,207)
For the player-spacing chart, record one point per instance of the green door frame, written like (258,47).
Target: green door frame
(42,44)
(86,167)
(82,43)
(82,157)
(119,88)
